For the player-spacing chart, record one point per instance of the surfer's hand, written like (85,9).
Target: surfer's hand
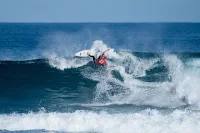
(88,53)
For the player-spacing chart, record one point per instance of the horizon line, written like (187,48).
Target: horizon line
(101,22)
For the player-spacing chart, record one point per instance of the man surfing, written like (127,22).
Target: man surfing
(101,59)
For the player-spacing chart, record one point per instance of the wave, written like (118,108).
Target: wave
(162,80)
(87,121)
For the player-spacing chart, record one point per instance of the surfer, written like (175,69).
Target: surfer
(101,59)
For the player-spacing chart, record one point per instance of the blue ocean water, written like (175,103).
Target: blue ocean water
(151,84)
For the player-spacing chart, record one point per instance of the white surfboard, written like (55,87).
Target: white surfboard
(82,53)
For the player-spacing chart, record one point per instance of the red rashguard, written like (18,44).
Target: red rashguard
(100,61)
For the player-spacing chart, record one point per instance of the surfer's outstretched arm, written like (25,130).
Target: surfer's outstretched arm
(105,51)
(92,57)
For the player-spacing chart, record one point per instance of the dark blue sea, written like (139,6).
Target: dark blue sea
(151,85)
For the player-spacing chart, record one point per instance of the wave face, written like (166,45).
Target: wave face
(44,88)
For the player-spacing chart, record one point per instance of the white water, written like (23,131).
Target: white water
(183,88)
(60,62)
(66,63)
(186,80)
(147,121)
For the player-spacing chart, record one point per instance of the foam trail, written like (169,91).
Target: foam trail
(150,121)
(66,63)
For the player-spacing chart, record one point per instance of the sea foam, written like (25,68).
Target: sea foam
(151,121)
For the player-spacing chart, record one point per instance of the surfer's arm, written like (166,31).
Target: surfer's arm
(92,57)
(105,51)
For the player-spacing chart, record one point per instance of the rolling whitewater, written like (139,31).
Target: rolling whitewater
(152,84)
